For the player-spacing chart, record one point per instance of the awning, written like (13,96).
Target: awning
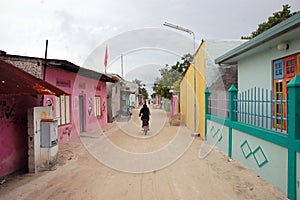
(16,81)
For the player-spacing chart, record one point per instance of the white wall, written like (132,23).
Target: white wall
(34,135)
(256,70)
(115,98)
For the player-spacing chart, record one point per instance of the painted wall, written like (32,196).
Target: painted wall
(298,174)
(34,115)
(79,86)
(264,158)
(174,105)
(260,66)
(187,100)
(200,63)
(166,104)
(114,92)
(183,98)
(217,135)
(13,132)
(187,94)
(275,158)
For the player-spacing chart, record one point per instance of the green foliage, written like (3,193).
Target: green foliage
(153,95)
(144,93)
(168,76)
(164,91)
(141,88)
(171,76)
(272,21)
(181,67)
(138,82)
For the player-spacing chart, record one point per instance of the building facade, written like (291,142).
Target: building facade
(19,91)
(262,129)
(208,74)
(80,107)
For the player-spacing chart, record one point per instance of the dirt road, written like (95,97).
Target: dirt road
(119,162)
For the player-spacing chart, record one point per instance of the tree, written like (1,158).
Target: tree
(138,82)
(171,76)
(144,93)
(141,88)
(272,21)
(182,67)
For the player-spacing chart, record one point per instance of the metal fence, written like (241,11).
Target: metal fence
(256,106)
(261,107)
(218,103)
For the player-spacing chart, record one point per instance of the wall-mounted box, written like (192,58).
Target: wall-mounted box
(49,133)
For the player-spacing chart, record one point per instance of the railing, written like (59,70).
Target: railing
(218,104)
(260,107)
(282,111)
(257,106)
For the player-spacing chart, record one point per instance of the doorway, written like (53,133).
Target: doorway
(81,113)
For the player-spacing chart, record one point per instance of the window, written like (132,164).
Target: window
(278,69)
(298,63)
(290,66)
(279,105)
(97,106)
(63,109)
(284,70)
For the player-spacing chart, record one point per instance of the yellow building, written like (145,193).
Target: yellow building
(207,73)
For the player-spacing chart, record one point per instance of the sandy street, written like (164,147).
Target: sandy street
(119,162)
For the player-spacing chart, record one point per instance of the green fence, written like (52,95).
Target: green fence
(266,152)
(165,104)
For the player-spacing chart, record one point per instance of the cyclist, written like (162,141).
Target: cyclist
(144,114)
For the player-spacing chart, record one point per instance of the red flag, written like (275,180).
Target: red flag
(106,57)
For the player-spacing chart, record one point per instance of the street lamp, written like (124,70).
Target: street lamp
(193,62)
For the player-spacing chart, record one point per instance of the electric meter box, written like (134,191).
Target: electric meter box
(49,133)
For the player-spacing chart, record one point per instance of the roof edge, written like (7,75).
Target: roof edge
(275,31)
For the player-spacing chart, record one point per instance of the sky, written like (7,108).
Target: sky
(79,31)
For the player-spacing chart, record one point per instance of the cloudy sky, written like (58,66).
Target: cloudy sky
(79,31)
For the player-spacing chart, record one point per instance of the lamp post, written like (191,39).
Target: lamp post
(193,62)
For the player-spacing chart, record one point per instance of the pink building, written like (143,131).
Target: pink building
(84,109)
(19,91)
(79,104)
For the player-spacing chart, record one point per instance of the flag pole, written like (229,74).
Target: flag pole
(105,59)
(122,64)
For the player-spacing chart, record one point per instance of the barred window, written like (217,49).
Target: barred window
(97,106)
(63,109)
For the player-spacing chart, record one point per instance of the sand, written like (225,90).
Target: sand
(119,162)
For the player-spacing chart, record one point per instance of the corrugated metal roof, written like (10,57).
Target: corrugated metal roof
(18,82)
(64,65)
(68,66)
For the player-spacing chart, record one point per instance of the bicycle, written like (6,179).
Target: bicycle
(145,125)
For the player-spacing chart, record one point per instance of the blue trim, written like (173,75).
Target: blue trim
(278,66)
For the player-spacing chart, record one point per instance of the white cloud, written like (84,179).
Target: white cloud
(75,28)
